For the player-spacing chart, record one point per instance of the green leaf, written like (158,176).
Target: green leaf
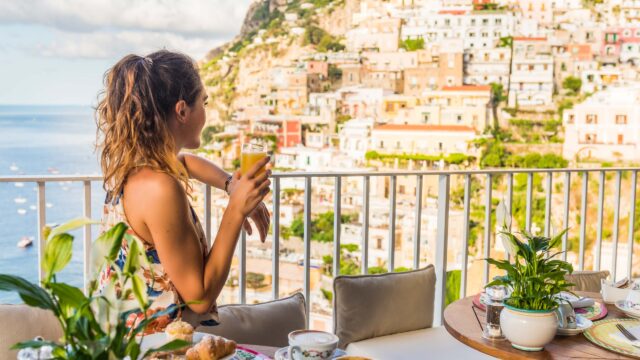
(133,258)
(31,294)
(106,247)
(57,254)
(69,226)
(35,344)
(70,298)
(139,290)
(170,346)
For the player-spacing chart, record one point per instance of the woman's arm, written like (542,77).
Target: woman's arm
(163,208)
(209,173)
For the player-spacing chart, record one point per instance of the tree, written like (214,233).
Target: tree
(255,281)
(497,96)
(412,44)
(572,83)
(507,41)
(313,35)
(209,132)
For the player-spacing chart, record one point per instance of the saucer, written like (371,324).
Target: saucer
(283,354)
(582,324)
(624,306)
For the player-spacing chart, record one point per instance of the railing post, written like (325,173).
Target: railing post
(441,247)
(487,227)
(616,225)
(307,245)
(417,223)
(42,221)
(529,201)
(392,224)
(275,245)
(583,219)
(547,205)
(509,205)
(632,218)
(337,221)
(365,224)
(86,232)
(242,279)
(596,262)
(565,222)
(465,235)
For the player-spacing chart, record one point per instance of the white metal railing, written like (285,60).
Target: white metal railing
(443,200)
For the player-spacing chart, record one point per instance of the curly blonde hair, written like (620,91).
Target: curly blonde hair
(132,115)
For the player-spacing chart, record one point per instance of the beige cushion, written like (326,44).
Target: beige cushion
(434,343)
(369,306)
(21,323)
(587,280)
(266,324)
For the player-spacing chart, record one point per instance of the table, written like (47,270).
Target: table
(266,350)
(461,323)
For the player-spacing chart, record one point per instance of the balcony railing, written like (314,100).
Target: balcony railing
(443,199)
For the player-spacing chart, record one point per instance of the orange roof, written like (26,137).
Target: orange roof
(412,127)
(467,88)
(524,38)
(453,12)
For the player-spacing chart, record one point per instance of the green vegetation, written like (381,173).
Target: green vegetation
(255,280)
(454,158)
(209,132)
(412,44)
(323,41)
(454,281)
(348,264)
(321,226)
(573,84)
(495,155)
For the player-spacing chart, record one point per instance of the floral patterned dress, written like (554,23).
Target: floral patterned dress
(161,292)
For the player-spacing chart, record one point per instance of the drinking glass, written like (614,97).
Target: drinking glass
(251,154)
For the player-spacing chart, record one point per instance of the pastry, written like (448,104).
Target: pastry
(179,330)
(211,347)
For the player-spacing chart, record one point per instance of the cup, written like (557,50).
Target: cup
(311,345)
(250,155)
(633,299)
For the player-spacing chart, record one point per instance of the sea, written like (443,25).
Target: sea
(44,140)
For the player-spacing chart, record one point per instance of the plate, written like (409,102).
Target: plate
(582,324)
(158,339)
(283,354)
(595,312)
(605,334)
(624,306)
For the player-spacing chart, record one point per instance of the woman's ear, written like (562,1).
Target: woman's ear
(182,111)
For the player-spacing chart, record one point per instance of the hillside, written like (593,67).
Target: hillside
(273,32)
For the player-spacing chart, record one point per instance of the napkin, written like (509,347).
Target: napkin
(577,302)
(634,330)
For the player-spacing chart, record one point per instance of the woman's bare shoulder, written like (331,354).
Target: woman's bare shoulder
(150,187)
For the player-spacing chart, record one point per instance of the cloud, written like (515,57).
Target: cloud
(107,45)
(214,18)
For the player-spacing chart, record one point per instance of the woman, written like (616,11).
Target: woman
(152,108)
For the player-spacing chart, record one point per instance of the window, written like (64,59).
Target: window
(485,21)
(485,34)
(459,118)
(498,21)
(501,56)
(590,138)
(425,117)
(592,119)
(546,67)
(571,119)
(447,22)
(440,146)
(397,144)
(621,119)
(378,243)
(531,67)
(620,139)
(626,33)
(381,144)
(473,22)
(451,64)
(486,56)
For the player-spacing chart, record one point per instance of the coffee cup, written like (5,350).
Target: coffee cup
(633,299)
(311,345)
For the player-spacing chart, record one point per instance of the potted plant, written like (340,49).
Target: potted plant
(535,279)
(94,326)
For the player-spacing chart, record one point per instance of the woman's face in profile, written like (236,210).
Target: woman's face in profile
(196,121)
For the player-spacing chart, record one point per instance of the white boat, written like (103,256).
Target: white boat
(49,205)
(22,211)
(14,167)
(53,171)
(32,207)
(20,200)
(25,242)
(18,184)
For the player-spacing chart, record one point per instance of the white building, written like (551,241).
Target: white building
(606,126)
(421,139)
(477,29)
(486,66)
(531,73)
(354,138)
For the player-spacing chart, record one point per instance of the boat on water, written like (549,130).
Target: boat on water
(20,200)
(53,171)
(49,205)
(18,184)
(25,242)
(22,211)
(32,207)
(14,167)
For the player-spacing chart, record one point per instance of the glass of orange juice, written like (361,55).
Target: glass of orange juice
(251,154)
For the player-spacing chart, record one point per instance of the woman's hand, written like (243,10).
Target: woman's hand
(261,218)
(250,189)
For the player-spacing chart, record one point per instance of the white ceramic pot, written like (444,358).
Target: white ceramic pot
(528,330)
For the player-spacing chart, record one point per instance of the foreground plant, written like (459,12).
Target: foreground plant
(534,277)
(94,326)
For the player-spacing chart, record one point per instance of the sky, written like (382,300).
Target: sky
(55,52)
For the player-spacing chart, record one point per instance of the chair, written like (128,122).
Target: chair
(378,315)
(267,324)
(590,281)
(21,323)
